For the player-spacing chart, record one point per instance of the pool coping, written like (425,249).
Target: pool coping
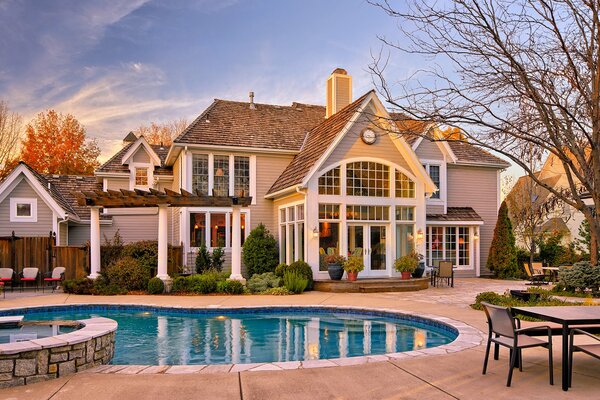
(467,337)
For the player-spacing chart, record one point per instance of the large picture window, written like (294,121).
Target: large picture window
(367,178)
(451,243)
(200,173)
(329,182)
(241,176)
(221,176)
(213,229)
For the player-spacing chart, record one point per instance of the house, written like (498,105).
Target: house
(344,176)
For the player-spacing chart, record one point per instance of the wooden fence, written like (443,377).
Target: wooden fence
(20,252)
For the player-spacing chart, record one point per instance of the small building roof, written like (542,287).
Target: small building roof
(460,214)
(115,165)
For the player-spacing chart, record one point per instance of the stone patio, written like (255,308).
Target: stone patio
(445,376)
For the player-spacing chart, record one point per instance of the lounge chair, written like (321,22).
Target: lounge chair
(29,275)
(6,276)
(535,273)
(445,271)
(592,349)
(54,278)
(503,331)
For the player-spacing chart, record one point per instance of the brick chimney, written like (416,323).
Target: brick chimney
(338,91)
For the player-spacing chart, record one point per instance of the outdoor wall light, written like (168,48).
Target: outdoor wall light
(315,232)
(420,234)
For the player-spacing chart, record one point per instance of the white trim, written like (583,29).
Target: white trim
(253,173)
(112,174)
(294,224)
(32,202)
(55,226)
(150,172)
(133,149)
(35,184)
(209,147)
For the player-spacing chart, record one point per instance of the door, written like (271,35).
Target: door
(369,242)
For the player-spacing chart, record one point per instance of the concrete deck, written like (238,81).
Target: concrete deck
(450,376)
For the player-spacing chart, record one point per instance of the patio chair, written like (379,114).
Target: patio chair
(445,271)
(29,275)
(6,276)
(592,349)
(535,273)
(54,278)
(502,331)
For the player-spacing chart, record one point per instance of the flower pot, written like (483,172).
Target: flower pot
(419,271)
(405,275)
(352,276)
(335,271)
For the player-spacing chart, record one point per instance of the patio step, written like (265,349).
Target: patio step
(372,285)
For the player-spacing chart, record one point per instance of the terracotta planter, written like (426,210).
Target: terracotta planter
(352,276)
(405,275)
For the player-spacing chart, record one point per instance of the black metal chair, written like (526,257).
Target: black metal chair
(503,331)
(592,349)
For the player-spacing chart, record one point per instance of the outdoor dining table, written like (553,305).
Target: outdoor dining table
(553,271)
(567,317)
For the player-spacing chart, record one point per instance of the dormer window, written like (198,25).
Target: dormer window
(141,177)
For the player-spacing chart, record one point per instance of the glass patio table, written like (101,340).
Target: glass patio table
(567,317)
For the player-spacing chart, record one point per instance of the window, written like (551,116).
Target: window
(434,174)
(141,177)
(366,178)
(405,213)
(405,240)
(405,188)
(291,233)
(213,229)
(200,173)
(23,209)
(329,230)
(221,176)
(329,182)
(450,243)
(367,213)
(241,176)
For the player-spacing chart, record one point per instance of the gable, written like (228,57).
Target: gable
(141,156)
(429,150)
(43,224)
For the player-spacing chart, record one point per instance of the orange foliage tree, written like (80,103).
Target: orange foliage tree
(162,133)
(56,144)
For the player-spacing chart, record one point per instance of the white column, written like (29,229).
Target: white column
(163,234)
(236,245)
(94,242)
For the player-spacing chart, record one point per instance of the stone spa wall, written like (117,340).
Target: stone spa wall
(38,360)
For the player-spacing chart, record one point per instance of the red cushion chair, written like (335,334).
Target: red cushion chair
(29,275)
(53,278)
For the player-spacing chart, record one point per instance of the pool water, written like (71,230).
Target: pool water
(158,337)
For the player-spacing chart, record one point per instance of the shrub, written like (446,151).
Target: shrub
(506,300)
(280,269)
(583,276)
(202,284)
(261,282)
(260,252)
(180,284)
(294,281)
(145,252)
(277,291)
(129,274)
(217,258)
(304,270)
(156,286)
(202,259)
(502,259)
(230,287)
(78,286)
(105,288)
(112,250)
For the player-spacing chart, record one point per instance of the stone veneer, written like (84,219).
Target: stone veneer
(37,360)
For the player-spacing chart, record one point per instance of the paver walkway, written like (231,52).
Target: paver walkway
(451,376)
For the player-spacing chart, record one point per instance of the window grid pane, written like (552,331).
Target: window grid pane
(200,173)
(141,176)
(221,176)
(367,213)
(241,173)
(405,213)
(329,211)
(463,246)
(329,182)
(300,212)
(23,210)
(405,188)
(436,242)
(366,178)
(434,174)
(451,244)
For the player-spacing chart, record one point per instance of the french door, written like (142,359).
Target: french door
(369,241)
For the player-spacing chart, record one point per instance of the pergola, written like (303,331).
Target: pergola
(162,199)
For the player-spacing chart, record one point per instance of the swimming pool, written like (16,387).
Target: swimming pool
(149,335)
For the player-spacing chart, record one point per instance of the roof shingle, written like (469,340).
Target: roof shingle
(114,163)
(465,214)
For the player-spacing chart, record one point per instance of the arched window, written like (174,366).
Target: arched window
(329,182)
(405,187)
(367,178)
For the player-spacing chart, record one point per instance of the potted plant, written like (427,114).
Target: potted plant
(353,266)
(334,266)
(420,267)
(406,265)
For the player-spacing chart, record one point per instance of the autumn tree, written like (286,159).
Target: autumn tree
(162,133)
(521,77)
(56,144)
(10,133)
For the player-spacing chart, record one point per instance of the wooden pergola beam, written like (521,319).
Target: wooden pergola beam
(153,198)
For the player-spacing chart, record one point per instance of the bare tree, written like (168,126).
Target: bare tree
(11,126)
(521,77)
(162,133)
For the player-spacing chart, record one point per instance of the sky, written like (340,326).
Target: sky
(117,64)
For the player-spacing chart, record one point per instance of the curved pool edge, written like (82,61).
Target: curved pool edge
(36,360)
(467,337)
